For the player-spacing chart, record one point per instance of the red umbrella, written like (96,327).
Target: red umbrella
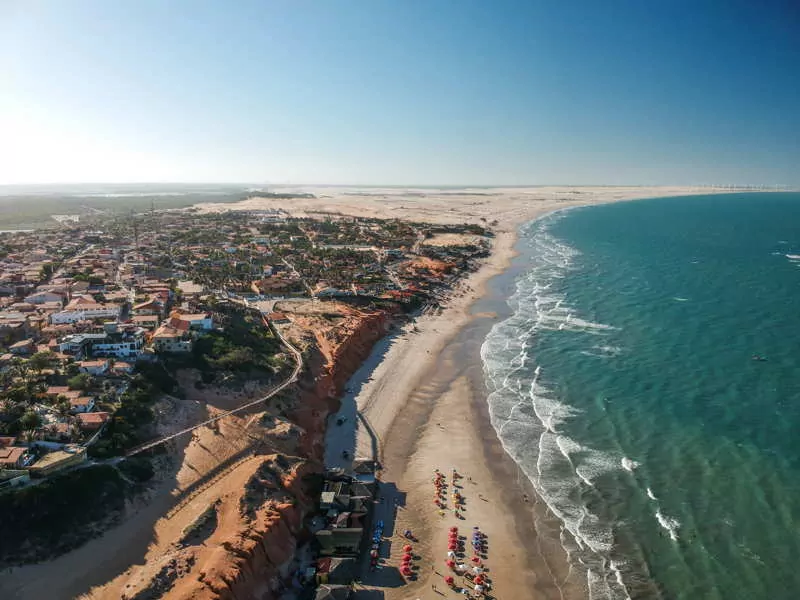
(407,548)
(454,529)
(449,580)
(476,559)
(450,563)
(479,579)
(407,556)
(452,546)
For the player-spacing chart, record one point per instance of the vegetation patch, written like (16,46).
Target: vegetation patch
(61,513)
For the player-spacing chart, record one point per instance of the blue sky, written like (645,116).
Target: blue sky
(404,92)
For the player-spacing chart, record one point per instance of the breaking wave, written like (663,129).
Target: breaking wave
(529,417)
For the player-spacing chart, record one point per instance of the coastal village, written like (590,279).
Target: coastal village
(100,321)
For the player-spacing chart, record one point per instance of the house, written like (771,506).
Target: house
(92,421)
(122,368)
(346,503)
(95,367)
(56,461)
(150,307)
(55,432)
(44,297)
(79,343)
(12,456)
(197,321)
(54,391)
(85,308)
(339,571)
(278,318)
(170,339)
(121,344)
(145,321)
(23,347)
(81,404)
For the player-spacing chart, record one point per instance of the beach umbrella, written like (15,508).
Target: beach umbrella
(450,563)
(477,570)
(449,580)
(407,548)
(478,578)
(478,588)
(476,559)
(408,555)
(454,528)
(452,546)
(373,553)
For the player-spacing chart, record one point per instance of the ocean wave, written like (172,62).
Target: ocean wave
(529,417)
(628,464)
(669,524)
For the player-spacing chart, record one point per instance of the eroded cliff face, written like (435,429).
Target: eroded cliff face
(333,355)
(252,561)
(251,550)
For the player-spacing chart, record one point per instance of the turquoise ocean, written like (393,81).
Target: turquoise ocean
(647,382)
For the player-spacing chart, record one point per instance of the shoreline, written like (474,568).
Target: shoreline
(412,426)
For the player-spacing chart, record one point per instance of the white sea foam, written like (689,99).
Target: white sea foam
(669,524)
(651,495)
(680,299)
(530,418)
(615,568)
(628,464)
(793,256)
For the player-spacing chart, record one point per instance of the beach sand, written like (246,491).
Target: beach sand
(422,394)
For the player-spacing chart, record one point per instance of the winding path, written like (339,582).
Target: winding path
(280,387)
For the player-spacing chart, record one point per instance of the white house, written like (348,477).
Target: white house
(84,308)
(121,345)
(94,367)
(81,404)
(44,297)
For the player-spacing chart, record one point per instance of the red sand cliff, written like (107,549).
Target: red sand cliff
(255,553)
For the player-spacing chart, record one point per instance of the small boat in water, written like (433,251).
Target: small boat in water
(759,358)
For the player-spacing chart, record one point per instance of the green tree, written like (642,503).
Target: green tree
(41,361)
(30,421)
(81,381)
